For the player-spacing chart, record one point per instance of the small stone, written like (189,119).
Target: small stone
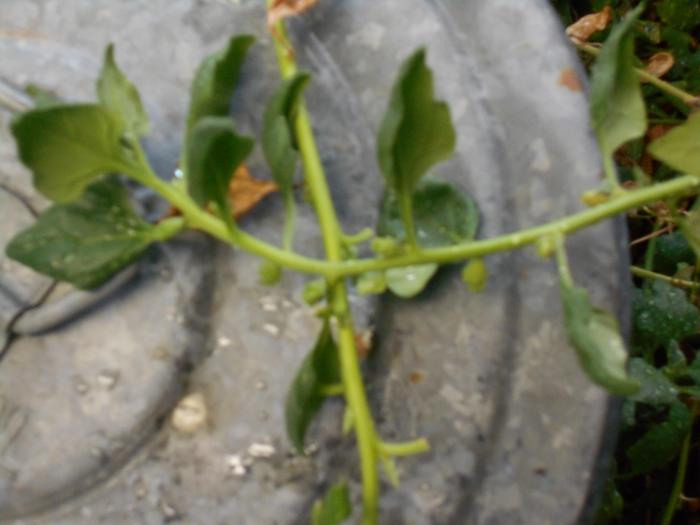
(268,304)
(80,386)
(107,379)
(271,329)
(169,512)
(311,449)
(260,385)
(235,463)
(190,414)
(223,342)
(261,450)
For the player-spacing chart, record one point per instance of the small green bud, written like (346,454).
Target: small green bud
(385,246)
(371,283)
(475,275)
(314,291)
(546,246)
(269,272)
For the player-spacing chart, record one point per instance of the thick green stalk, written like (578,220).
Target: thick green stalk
(332,238)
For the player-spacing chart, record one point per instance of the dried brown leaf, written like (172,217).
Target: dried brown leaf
(245,192)
(281,9)
(569,79)
(660,63)
(581,30)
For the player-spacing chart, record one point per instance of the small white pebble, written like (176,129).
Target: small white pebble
(287,304)
(260,385)
(268,304)
(271,329)
(223,341)
(190,414)
(235,463)
(107,379)
(261,450)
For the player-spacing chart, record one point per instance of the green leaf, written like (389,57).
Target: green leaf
(662,313)
(661,443)
(215,152)
(595,336)
(116,93)
(278,136)
(618,113)
(680,147)
(656,388)
(671,250)
(683,15)
(66,147)
(214,83)
(417,131)
(409,281)
(690,228)
(442,214)
(611,505)
(43,98)
(305,396)
(335,507)
(87,241)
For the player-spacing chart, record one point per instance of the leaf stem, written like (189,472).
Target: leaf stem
(407,448)
(406,206)
(645,76)
(680,283)
(290,218)
(563,262)
(678,483)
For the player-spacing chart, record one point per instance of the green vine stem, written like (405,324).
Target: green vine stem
(678,483)
(353,384)
(199,219)
(645,76)
(680,283)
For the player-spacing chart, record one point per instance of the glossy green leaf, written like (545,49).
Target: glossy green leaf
(662,313)
(595,336)
(680,147)
(409,281)
(661,443)
(116,93)
(67,147)
(618,114)
(215,153)
(215,81)
(305,396)
(656,388)
(335,507)
(86,241)
(278,135)
(442,214)
(417,131)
